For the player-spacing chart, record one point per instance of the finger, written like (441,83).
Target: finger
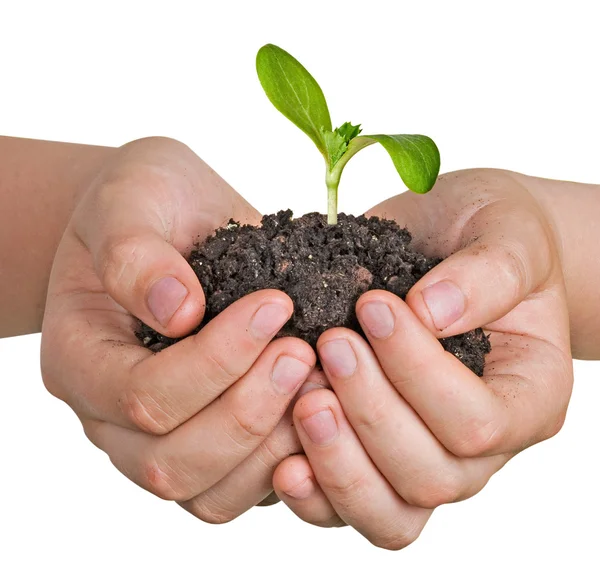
(195,456)
(136,262)
(358,492)
(469,415)
(503,254)
(170,387)
(295,484)
(316,380)
(155,393)
(252,479)
(250,483)
(495,241)
(421,470)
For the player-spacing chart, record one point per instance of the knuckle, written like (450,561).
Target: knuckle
(397,539)
(420,368)
(163,481)
(555,427)
(328,521)
(282,443)
(51,383)
(247,429)
(145,413)
(211,510)
(209,516)
(480,438)
(370,417)
(155,142)
(276,447)
(216,368)
(442,488)
(512,262)
(349,491)
(117,260)
(104,193)
(268,454)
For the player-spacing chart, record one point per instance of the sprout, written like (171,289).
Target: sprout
(296,94)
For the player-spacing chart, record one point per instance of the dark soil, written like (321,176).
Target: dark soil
(323,268)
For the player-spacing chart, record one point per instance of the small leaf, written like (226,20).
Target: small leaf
(335,146)
(294,92)
(348,131)
(416,158)
(336,142)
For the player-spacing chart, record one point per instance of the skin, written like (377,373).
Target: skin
(40,184)
(573,211)
(406,427)
(204,422)
(136,211)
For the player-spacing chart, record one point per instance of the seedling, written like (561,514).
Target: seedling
(301,256)
(296,94)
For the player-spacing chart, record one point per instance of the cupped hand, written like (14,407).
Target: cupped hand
(203,422)
(407,427)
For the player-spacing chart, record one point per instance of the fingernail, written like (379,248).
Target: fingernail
(165,298)
(445,302)
(338,357)
(321,427)
(377,319)
(288,373)
(268,320)
(302,490)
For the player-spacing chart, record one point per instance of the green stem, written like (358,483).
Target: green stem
(333,176)
(332,197)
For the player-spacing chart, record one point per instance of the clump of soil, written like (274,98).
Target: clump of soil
(323,268)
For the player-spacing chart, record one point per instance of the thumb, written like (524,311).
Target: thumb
(506,253)
(135,259)
(146,275)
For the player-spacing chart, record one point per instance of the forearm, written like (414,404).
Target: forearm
(40,182)
(574,213)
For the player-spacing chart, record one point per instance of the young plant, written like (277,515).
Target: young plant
(296,94)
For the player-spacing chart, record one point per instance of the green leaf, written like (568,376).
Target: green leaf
(294,92)
(416,158)
(348,131)
(336,142)
(335,146)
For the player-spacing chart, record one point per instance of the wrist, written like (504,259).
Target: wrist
(41,184)
(573,210)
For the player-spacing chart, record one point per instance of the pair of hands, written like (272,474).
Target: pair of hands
(228,418)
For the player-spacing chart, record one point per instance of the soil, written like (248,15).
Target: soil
(323,268)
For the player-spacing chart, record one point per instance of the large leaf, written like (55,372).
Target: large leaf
(294,92)
(416,158)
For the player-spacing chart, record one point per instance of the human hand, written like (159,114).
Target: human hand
(203,421)
(409,427)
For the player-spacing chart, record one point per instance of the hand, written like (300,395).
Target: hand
(203,421)
(409,427)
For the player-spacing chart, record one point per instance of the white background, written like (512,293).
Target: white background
(500,84)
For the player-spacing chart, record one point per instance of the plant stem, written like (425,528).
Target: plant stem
(332,197)
(334,174)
